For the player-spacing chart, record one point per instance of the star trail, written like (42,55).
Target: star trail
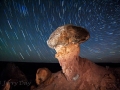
(25,26)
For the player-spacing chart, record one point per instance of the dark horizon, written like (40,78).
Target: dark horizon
(46,64)
(31,60)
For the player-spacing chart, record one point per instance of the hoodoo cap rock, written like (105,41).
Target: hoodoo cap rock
(67,34)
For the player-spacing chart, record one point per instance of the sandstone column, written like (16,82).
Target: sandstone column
(65,40)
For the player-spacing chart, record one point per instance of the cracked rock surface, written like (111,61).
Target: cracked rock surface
(77,73)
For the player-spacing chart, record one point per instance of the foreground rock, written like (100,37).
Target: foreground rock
(91,77)
(77,73)
(43,76)
(12,78)
(12,71)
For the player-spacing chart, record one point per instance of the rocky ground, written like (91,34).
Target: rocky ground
(58,82)
(94,78)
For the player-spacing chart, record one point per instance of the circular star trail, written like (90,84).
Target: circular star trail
(25,26)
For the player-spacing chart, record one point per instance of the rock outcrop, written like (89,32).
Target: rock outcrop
(7,85)
(77,73)
(11,71)
(13,78)
(43,76)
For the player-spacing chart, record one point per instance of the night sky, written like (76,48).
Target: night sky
(25,26)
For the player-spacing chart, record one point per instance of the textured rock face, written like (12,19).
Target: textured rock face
(6,86)
(42,76)
(65,40)
(77,73)
(66,34)
(66,57)
(91,77)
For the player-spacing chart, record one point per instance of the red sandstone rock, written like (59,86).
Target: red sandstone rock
(7,85)
(77,73)
(91,77)
(43,76)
